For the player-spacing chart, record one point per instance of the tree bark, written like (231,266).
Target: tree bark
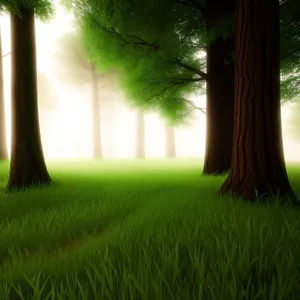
(170,142)
(257,167)
(219,94)
(27,164)
(140,134)
(97,145)
(3,144)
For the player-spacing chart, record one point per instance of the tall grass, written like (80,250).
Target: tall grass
(144,230)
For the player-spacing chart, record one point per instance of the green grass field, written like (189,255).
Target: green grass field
(154,229)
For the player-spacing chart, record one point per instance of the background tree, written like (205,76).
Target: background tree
(170,141)
(74,67)
(3,144)
(257,167)
(27,163)
(140,134)
(159,62)
(293,123)
(47,103)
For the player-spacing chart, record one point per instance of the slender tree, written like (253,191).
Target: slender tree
(293,122)
(140,134)
(257,166)
(75,67)
(170,141)
(27,163)
(47,103)
(3,144)
(97,147)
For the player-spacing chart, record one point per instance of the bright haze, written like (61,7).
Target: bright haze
(66,128)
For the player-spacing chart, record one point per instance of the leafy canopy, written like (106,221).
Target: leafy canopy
(44,9)
(151,57)
(155,46)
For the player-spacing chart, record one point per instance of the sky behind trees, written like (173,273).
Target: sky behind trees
(74,139)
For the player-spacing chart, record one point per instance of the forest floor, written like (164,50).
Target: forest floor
(154,229)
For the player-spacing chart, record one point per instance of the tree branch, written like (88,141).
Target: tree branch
(192,69)
(203,110)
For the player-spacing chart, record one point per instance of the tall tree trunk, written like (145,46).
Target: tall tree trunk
(109,133)
(257,167)
(219,94)
(27,164)
(97,147)
(170,142)
(140,134)
(3,145)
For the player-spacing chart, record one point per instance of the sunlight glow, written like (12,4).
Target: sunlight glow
(66,131)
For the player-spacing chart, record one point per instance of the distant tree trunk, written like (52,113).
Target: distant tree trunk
(27,164)
(97,147)
(219,94)
(110,133)
(257,167)
(140,134)
(3,145)
(170,142)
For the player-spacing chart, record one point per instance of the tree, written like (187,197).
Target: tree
(46,94)
(166,69)
(75,67)
(27,164)
(170,141)
(47,103)
(219,91)
(294,122)
(140,134)
(159,58)
(257,165)
(3,145)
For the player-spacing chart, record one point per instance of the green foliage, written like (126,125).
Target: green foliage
(155,45)
(290,49)
(145,43)
(44,9)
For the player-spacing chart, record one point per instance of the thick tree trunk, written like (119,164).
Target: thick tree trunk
(140,134)
(219,94)
(170,142)
(97,147)
(257,167)
(27,164)
(3,145)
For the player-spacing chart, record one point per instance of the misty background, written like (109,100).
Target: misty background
(66,108)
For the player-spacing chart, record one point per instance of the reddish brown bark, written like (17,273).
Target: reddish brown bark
(3,145)
(27,164)
(219,94)
(257,167)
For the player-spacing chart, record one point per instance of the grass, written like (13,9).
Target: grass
(144,230)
